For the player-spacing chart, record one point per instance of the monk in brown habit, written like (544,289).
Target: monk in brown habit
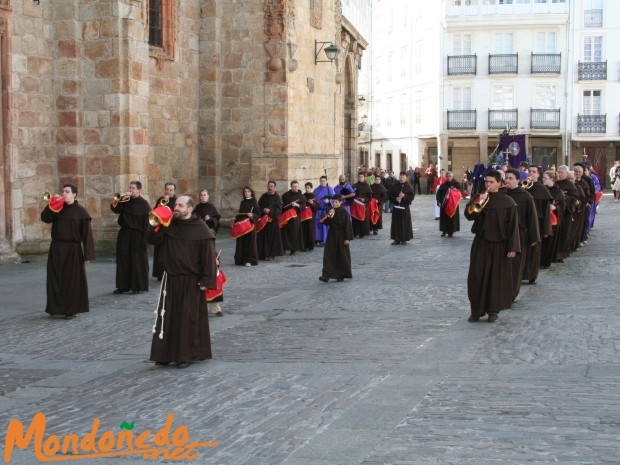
(542,200)
(568,221)
(170,199)
(269,239)
(496,226)
(307,226)
(291,231)
(529,233)
(363,194)
(132,258)
(207,212)
(379,192)
(447,225)
(181,331)
(401,195)
(336,255)
(71,249)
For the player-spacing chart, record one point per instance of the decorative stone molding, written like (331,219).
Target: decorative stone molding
(316,14)
(275,11)
(3,25)
(274,19)
(6,4)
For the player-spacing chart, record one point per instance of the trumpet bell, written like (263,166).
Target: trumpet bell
(47,196)
(527,183)
(153,220)
(477,207)
(163,202)
(118,197)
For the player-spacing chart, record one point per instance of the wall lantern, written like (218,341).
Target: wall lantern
(331,52)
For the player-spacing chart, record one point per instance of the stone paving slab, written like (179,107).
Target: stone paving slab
(381,369)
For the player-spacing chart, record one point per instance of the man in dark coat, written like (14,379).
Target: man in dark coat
(337,256)
(363,194)
(568,221)
(529,232)
(587,185)
(307,226)
(269,238)
(542,200)
(181,330)
(132,258)
(496,226)
(447,225)
(71,249)
(293,199)
(401,195)
(379,192)
(207,212)
(169,198)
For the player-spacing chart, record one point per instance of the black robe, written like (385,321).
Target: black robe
(208,209)
(550,243)
(363,193)
(587,200)
(337,255)
(542,200)
(402,229)
(567,224)
(269,238)
(158,270)
(291,232)
(529,233)
(132,256)
(308,227)
(187,252)
(72,245)
(380,193)
(446,224)
(246,249)
(489,282)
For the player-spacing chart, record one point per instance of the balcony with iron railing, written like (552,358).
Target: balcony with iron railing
(592,71)
(544,119)
(546,63)
(507,63)
(593,18)
(462,119)
(503,119)
(591,124)
(462,65)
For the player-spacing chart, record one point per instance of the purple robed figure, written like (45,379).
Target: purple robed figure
(597,188)
(320,229)
(345,189)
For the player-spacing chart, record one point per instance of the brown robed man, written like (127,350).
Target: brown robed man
(337,255)
(496,226)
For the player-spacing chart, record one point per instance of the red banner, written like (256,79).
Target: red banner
(358,210)
(220,282)
(598,195)
(375,211)
(454,196)
(554,219)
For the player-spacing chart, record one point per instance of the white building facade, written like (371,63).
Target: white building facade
(544,68)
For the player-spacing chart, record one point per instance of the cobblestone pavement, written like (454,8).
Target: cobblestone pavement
(381,369)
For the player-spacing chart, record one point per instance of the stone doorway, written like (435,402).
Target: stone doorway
(596,156)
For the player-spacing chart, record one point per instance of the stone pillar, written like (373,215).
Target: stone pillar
(484,152)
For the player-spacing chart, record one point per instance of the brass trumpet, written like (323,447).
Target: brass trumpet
(153,220)
(527,182)
(120,198)
(163,202)
(47,196)
(479,205)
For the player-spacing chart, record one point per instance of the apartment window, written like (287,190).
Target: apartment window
(390,108)
(403,62)
(461,44)
(418,57)
(488,2)
(545,97)
(546,42)
(503,42)
(505,2)
(379,70)
(461,98)
(593,49)
(389,67)
(503,98)
(591,102)
(593,13)
(403,109)
(161,22)
(523,2)
(463,2)
(378,113)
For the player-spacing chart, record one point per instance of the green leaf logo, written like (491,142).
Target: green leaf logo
(127,426)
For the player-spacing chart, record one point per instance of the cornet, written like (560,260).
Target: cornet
(120,198)
(154,220)
(479,205)
(47,196)
(163,202)
(527,182)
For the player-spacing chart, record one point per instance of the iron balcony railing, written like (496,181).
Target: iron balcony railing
(462,119)
(592,71)
(504,64)
(546,63)
(462,65)
(591,124)
(503,119)
(593,18)
(544,119)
